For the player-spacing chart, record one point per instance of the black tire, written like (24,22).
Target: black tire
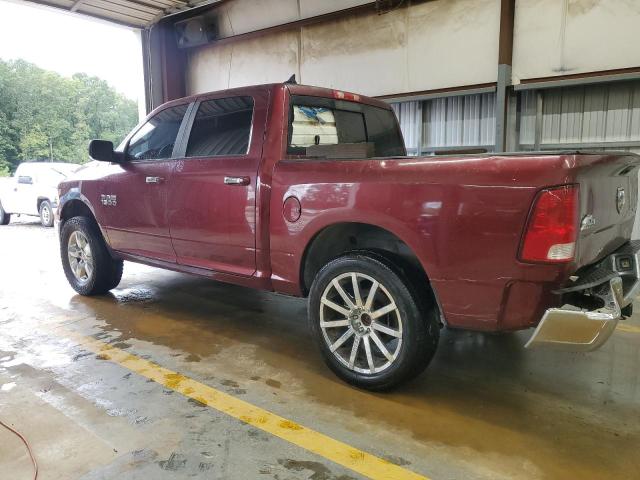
(107,271)
(46,213)
(5,217)
(419,319)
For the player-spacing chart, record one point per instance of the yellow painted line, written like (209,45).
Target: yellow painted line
(628,328)
(315,442)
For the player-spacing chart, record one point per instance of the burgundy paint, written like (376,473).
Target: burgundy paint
(213,224)
(463,217)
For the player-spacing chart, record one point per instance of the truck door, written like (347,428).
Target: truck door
(23,198)
(212,196)
(10,201)
(133,197)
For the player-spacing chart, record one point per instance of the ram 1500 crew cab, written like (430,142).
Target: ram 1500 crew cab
(308,191)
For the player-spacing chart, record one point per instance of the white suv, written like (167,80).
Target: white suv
(33,190)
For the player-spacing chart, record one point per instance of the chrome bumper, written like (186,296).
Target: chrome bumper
(575,329)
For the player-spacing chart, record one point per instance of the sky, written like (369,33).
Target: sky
(70,43)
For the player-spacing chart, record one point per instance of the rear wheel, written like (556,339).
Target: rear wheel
(86,261)
(5,217)
(46,214)
(373,329)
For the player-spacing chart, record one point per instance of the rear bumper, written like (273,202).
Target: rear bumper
(614,282)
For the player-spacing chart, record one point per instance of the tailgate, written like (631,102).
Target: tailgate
(608,199)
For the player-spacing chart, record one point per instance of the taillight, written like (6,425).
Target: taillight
(552,229)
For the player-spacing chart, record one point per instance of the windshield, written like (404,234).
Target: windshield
(318,121)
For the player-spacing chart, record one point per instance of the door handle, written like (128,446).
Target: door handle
(154,180)
(236,181)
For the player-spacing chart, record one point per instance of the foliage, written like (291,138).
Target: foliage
(4,168)
(46,116)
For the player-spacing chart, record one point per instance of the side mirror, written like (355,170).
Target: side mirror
(102,150)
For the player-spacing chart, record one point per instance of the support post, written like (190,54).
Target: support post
(505,59)
(164,65)
(146,69)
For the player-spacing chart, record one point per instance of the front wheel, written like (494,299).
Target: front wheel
(46,214)
(373,329)
(87,264)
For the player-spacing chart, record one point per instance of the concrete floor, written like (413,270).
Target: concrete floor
(485,409)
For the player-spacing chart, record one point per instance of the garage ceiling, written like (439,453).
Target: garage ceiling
(132,13)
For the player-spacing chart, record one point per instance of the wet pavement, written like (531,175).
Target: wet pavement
(485,408)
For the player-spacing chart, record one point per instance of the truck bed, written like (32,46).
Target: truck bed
(463,216)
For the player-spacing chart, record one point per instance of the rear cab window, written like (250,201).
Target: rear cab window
(324,127)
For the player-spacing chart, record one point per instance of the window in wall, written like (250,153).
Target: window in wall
(591,116)
(156,138)
(459,121)
(410,118)
(448,123)
(222,127)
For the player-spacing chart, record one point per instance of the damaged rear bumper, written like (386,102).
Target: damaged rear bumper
(613,283)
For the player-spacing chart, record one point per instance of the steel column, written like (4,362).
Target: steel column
(505,55)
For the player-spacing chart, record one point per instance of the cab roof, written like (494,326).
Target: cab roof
(293,88)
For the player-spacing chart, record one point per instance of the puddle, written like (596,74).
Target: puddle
(8,386)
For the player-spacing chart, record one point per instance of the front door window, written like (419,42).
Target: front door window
(156,138)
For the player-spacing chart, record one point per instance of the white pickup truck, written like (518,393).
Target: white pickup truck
(33,190)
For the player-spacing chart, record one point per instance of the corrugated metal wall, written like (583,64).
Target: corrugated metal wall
(460,121)
(591,116)
(448,122)
(410,117)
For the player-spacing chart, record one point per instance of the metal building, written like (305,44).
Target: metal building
(462,75)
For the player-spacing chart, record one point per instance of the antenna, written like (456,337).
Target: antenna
(292,79)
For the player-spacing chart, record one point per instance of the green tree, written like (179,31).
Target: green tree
(9,138)
(4,168)
(46,116)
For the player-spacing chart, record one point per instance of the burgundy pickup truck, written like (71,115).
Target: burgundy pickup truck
(308,191)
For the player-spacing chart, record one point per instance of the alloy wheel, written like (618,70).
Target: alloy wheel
(80,256)
(361,323)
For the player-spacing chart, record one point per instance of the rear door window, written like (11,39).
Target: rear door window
(222,127)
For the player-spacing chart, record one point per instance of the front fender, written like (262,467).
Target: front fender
(74,203)
(65,201)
